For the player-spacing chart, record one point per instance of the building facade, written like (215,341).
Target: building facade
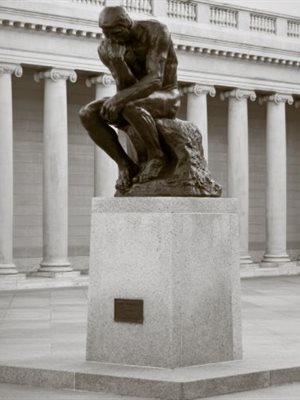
(239,73)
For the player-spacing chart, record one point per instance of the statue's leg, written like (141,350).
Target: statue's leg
(142,122)
(140,115)
(106,138)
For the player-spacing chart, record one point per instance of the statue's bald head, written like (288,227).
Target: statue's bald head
(112,16)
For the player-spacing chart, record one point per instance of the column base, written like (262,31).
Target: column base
(8,269)
(246,259)
(55,269)
(275,259)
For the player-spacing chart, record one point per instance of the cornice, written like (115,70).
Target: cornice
(209,50)
(50,28)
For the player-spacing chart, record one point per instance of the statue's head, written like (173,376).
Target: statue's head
(115,24)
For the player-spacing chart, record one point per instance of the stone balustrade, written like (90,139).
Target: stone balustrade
(293,28)
(139,6)
(262,23)
(212,13)
(91,2)
(182,10)
(223,17)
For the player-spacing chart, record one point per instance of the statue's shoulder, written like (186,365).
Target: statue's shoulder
(153,26)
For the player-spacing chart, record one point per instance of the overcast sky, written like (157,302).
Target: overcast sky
(291,7)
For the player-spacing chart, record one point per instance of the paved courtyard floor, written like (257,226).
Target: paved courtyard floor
(51,323)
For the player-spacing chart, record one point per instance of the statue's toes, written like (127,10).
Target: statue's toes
(122,185)
(143,178)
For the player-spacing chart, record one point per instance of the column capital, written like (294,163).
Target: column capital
(56,74)
(277,98)
(103,79)
(197,89)
(239,94)
(16,69)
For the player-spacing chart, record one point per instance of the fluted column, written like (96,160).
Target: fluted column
(55,185)
(297,105)
(276,203)
(197,110)
(105,169)
(6,168)
(238,161)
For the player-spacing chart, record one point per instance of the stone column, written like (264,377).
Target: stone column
(105,169)
(197,110)
(297,105)
(276,178)
(55,188)
(238,161)
(7,266)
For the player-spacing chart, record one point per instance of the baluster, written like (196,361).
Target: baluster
(181,9)
(261,24)
(172,8)
(219,18)
(232,17)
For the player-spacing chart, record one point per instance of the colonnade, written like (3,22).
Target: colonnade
(55,159)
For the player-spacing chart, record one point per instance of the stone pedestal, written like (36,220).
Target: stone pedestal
(180,256)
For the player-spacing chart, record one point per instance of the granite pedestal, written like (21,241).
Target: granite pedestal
(180,256)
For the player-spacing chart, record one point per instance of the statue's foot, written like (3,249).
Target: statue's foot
(150,171)
(126,175)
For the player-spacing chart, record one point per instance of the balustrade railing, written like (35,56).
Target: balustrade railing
(182,10)
(209,12)
(262,23)
(223,17)
(139,6)
(91,2)
(293,29)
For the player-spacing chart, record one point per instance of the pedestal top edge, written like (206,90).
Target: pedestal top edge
(164,205)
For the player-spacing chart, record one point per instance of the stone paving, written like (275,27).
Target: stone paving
(52,323)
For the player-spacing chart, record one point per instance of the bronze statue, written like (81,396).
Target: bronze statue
(143,62)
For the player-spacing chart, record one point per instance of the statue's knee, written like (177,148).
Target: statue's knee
(84,115)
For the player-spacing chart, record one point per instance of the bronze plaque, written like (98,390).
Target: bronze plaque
(129,310)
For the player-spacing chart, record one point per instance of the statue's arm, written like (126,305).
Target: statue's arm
(112,57)
(155,64)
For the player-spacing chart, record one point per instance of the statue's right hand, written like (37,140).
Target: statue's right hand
(115,50)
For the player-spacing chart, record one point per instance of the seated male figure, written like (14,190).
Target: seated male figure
(142,60)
